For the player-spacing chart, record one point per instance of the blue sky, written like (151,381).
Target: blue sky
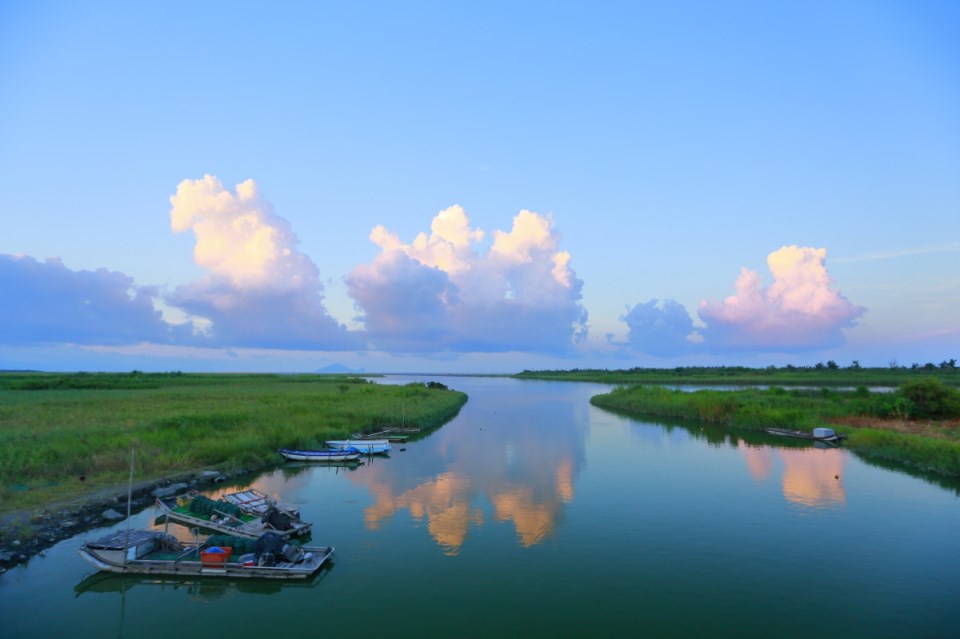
(478,187)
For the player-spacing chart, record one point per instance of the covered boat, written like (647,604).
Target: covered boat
(157,553)
(230,519)
(332,455)
(365,446)
(258,503)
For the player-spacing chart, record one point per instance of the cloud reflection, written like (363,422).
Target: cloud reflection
(811,476)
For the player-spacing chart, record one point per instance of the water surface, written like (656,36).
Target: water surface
(534,513)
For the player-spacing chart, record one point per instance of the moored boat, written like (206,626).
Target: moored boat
(258,503)
(818,434)
(157,553)
(320,455)
(229,519)
(365,446)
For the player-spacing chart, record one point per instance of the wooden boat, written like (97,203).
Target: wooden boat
(221,516)
(818,434)
(157,553)
(365,446)
(387,435)
(320,455)
(258,503)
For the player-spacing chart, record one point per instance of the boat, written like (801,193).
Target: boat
(386,434)
(222,516)
(365,446)
(320,455)
(818,434)
(152,552)
(258,503)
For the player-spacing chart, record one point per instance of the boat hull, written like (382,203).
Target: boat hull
(365,446)
(319,455)
(192,567)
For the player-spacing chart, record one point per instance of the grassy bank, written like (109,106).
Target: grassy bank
(878,425)
(829,374)
(55,429)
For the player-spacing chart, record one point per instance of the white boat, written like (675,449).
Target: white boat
(152,552)
(365,446)
(320,455)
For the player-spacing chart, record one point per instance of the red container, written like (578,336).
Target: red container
(211,556)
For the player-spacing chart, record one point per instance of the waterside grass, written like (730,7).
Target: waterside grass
(933,446)
(62,436)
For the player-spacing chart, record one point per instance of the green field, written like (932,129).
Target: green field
(55,429)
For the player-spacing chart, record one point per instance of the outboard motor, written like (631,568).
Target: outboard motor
(276,519)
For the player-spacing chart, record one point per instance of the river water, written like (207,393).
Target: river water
(533,513)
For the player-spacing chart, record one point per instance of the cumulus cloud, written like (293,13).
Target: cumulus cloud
(47,303)
(800,310)
(660,328)
(259,291)
(440,292)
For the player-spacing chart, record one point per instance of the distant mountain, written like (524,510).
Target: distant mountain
(338,368)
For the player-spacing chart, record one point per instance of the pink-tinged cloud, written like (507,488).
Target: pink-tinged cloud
(800,310)
(440,293)
(47,303)
(259,291)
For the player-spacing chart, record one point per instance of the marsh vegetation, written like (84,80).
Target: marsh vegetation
(62,436)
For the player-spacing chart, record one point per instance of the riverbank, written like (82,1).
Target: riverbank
(65,445)
(875,424)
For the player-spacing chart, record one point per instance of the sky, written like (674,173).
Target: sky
(480,187)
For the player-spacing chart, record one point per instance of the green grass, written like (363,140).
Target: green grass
(55,428)
(818,375)
(756,409)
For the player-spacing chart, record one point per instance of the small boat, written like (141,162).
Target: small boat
(157,553)
(320,455)
(230,519)
(818,434)
(258,503)
(386,434)
(365,446)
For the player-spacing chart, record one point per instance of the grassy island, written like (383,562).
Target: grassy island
(918,424)
(63,436)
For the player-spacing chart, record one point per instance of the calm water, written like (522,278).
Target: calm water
(535,514)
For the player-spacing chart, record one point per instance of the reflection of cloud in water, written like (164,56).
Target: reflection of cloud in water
(444,501)
(533,521)
(811,476)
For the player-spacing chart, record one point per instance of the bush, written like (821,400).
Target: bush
(930,398)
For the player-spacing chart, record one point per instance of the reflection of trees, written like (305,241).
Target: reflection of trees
(811,476)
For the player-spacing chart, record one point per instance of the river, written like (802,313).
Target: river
(533,513)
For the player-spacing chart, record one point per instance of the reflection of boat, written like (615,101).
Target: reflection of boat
(366,446)
(222,516)
(150,552)
(335,455)
(818,434)
(196,586)
(258,503)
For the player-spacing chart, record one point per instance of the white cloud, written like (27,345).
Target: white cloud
(260,291)
(440,293)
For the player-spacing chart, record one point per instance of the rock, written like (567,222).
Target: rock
(15,543)
(111,515)
(6,557)
(210,474)
(170,490)
(69,523)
